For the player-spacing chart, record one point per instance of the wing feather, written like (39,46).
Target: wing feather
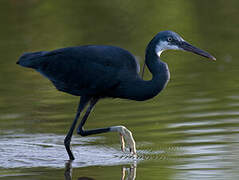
(86,70)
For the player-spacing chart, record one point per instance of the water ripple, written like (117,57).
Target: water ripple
(47,150)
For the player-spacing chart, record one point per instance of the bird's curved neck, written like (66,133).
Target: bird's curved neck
(153,62)
(139,89)
(158,68)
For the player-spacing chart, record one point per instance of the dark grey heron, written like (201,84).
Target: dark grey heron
(95,72)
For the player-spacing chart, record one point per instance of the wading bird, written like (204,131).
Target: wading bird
(95,72)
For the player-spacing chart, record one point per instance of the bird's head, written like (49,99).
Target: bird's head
(170,40)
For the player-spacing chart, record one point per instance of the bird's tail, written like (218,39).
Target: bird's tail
(31,60)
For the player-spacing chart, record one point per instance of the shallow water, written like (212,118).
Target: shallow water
(189,131)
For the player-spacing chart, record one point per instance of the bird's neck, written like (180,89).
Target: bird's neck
(139,89)
(158,68)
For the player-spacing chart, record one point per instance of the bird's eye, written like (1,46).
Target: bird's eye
(170,39)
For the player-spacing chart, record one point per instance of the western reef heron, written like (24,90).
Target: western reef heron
(96,71)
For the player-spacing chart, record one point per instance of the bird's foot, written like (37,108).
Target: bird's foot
(125,134)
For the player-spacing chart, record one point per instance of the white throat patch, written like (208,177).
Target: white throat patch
(164,45)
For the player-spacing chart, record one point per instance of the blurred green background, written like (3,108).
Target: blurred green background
(189,131)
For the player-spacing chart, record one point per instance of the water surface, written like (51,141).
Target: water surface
(189,131)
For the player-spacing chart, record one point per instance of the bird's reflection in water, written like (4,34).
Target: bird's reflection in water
(128,173)
(85,178)
(68,170)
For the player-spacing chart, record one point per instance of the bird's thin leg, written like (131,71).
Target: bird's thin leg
(123,131)
(122,142)
(81,130)
(83,102)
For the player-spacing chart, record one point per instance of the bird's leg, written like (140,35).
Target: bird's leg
(122,142)
(125,134)
(81,130)
(67,141)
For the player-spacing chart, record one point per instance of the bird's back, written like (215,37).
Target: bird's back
(83,70)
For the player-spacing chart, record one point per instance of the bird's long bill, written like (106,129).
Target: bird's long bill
(188,47)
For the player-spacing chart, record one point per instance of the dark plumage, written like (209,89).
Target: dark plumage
(95,72)
(101,71)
